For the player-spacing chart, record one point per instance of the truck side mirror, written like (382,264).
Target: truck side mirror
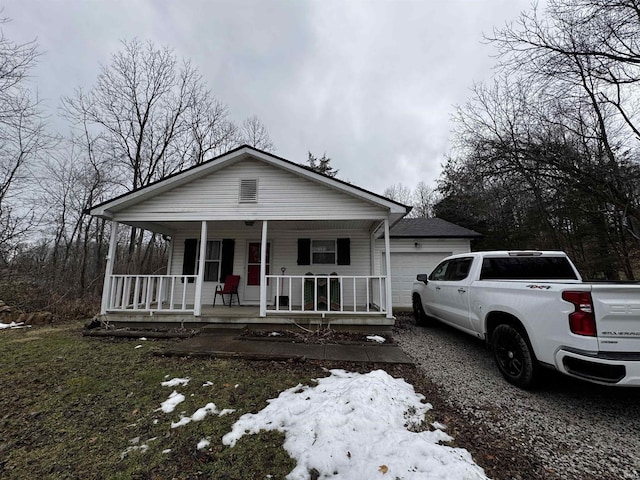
(422,278)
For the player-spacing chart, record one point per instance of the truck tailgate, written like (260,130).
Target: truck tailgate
(617,311)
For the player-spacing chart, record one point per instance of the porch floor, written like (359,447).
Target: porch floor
(245,315)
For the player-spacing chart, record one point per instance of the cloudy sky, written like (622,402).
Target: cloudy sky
(371,83)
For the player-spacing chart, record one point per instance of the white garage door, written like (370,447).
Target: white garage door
(405,267)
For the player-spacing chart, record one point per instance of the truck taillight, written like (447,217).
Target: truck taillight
(582,321)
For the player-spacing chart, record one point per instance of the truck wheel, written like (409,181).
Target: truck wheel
(418,312)
(514,357)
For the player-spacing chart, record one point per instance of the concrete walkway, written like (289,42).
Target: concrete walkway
(229,343)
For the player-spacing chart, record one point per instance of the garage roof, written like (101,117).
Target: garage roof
(430,228)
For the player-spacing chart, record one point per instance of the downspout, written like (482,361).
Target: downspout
(108,271)
(372,254)
(197,307)
(170,254)
(387,283)
(169,260)
(263,271)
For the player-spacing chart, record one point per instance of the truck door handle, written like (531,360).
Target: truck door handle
(437,288)
(461,290)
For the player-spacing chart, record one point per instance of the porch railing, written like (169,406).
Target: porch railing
(352,294)
(167,293)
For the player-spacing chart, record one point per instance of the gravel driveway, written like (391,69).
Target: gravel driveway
(571,429)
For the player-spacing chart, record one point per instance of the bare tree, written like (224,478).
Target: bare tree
(22,136)
(254,133)
(424,199)
(212,133)
(398,192)
(141,104)
(153,116)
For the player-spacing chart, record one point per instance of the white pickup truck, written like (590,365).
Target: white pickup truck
(534,310)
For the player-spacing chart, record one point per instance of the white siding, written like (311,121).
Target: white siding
(281,195)
(284,253)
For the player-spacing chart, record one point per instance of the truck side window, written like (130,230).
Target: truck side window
(527,268)
(459,270)
(440,272)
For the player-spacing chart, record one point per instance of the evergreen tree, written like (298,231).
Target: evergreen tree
(321,165)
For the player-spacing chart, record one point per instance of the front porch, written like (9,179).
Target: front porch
(339,285)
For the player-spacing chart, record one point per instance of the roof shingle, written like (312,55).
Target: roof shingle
(430,228)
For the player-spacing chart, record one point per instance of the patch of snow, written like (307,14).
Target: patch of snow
(128,450)
(275,334)
(207,384)
(138,346)
(439,426)
(143,339)
(204,443)
(353,426)
(167,450)
(12,325)
(174,382)
(376,338)
(170,404)
(200,414)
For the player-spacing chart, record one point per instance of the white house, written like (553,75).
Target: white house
(302,243)
(306,247)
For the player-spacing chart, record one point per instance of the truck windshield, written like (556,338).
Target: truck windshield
(527,268)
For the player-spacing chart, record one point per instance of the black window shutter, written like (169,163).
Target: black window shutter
(344,251)
(304,251)
(189,261)
(226,264)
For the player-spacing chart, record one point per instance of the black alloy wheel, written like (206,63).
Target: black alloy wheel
(514,356)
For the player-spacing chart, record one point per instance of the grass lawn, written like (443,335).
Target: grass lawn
(71,406)
(90,408)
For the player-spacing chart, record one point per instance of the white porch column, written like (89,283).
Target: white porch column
(197,307)
(387,258)
(108,271)
(263,271)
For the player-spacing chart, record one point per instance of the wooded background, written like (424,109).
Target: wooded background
(545,155)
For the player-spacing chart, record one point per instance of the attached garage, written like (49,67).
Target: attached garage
(417,246)
(404,268)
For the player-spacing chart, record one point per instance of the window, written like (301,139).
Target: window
(211,260)
(527,268)
(323,252)
(459,269)
(218,262)
(452,270)
(440,271)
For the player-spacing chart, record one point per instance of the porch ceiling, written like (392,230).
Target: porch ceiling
(168,228)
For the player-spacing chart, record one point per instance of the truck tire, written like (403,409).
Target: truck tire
(514,356)
(418,312)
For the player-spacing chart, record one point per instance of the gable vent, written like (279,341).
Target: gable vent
(248,191)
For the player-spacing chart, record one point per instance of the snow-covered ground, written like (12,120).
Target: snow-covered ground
(348,426)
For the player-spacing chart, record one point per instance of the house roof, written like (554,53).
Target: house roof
(185,176)
(430,228)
